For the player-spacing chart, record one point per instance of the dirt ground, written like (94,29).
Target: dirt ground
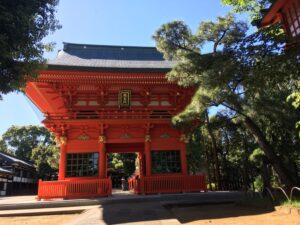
(37,220)
(229,214)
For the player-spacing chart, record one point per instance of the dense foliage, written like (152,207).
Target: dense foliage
(122,163)
(295,96)
(35,144)
(255,8)
(246,77)
(23,25)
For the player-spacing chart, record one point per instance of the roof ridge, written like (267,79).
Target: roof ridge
(5,170)
(5,153)
(109,46)
(13,156)
(110,56)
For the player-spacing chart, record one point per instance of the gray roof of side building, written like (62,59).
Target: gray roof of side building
(6,172)
(106,57)
(12,159)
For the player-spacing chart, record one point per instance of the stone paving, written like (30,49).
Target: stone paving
(150,213)
(45,211)
(27,202)
(122,208)
(17,199)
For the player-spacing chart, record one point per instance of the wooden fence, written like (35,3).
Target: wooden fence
(167,184)
(74,188)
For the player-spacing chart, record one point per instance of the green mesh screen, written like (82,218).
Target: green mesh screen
(82,164)
(165,162)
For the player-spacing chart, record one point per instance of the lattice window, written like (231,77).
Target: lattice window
(82,164)
(292,17)
(165,162)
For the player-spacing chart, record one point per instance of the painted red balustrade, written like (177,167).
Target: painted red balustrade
(131,183)
(74,188)
(168,184)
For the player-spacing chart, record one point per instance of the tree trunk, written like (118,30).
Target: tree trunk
(265,175)
(225,178)
(246,167)
(208,164)
(204,146)
(276,162)
(215,151)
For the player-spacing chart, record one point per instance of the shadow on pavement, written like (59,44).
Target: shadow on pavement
(119,213)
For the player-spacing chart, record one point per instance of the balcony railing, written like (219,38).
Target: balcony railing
(74,188)
(115,115)
(167,184)
(68,189)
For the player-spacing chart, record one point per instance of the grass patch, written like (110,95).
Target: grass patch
(295,203)
(277,199)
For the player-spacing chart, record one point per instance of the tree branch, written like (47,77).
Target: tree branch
(185,48)
(218,41)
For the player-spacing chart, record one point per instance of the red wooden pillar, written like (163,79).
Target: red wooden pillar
(141,164)
(183,142)
(102,157)
(105,167)
(148,154)
(63,158)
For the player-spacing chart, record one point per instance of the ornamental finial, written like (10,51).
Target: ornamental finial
(147,138)
(102,139)
(61,140)
(184,138)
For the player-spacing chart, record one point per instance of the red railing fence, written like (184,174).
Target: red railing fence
(74,188)
(103,187)
(167,184)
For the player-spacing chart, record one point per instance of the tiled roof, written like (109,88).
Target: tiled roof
(104,56)
(4,171)
(14,159)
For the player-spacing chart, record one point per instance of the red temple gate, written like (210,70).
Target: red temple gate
(102,99)
(286,12)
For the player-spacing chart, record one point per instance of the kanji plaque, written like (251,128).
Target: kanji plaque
(124,98)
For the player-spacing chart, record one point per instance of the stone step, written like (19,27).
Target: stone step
(183,198)
(45,211)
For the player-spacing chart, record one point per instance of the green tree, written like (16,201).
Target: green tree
(236,75)
(124,162)
(195,153)
(228,167)
(23,25)
(22,140)
(33,143)
(295,96)
(46,160)
(259,158)
(255,8)
(3,148)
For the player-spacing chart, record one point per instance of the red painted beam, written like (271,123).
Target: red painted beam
(272,15)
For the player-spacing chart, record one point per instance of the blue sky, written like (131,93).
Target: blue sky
(109,22)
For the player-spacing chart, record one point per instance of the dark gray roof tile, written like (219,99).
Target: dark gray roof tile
(4,171)
(102,56)
(14,159)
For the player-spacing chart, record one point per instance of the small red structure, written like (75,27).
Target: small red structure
(113,99)
(286,12)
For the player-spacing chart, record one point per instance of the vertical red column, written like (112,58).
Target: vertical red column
(102,157)
(148,154)
(62,160)
(105,167)
(141,164)
(183,142)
